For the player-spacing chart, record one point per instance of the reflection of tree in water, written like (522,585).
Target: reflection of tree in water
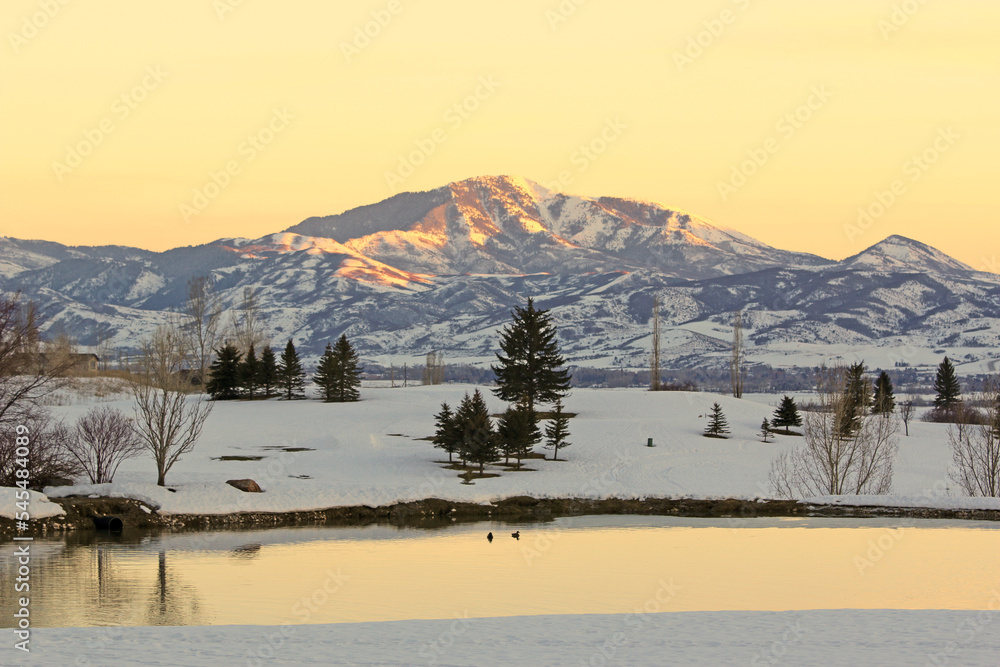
(171,602)
(246,551)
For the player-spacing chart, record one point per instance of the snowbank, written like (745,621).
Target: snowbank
(39,506)
(926,501)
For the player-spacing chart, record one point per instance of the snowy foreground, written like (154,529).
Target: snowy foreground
(829,637)
(369,453)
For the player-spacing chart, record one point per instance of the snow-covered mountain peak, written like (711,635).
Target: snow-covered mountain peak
(901,254)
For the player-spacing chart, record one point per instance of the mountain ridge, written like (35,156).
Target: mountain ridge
(442,269)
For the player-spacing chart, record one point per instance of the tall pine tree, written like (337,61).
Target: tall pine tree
(478,437)
(268,376)
(557,430)
(949,391)
(885,402)
(517,433)
(787,414)
(225,374)
(347,377)
(857,399)
(528,370)
(326,375)
(291,377)
(250,372)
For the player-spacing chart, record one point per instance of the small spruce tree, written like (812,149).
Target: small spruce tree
(517,433)
(447,432)
(885,402)
(326,375)
(717,425)
(787,414)
(268,376)
(857,399)
(557,430)
(224,384)
(765,430)
(250,372)
(291,377)
(478,437)
(949,391)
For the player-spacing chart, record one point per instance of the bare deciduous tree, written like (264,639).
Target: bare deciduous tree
(906,414)
(975,448)
(104,438)
(247,324)
(204,311)
(830,462)
(654,360)
(737,363)
(26,375)
(49,460)
(167,421)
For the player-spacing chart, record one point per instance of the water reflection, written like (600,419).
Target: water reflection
(583,565)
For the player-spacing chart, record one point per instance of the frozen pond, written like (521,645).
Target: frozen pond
(606,564)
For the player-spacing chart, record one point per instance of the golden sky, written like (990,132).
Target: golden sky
(176,123)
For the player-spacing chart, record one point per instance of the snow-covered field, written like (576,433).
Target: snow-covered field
(825,638)
(369,453)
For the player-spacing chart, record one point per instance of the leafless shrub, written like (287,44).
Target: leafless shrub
(48,459)
(104,438)
(831,462)
(975,448)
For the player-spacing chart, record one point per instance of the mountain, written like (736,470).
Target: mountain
(509,225)
(442,269)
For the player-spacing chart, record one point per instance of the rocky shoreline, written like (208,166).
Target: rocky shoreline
(434,512)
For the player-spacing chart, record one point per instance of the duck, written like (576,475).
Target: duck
(516,536)
(489,537)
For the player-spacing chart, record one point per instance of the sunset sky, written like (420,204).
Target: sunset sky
(780,119)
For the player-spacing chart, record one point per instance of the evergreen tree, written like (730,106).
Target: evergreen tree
(225,374)
(857,399)
(529,373)
(268,376)
(291,377)
(517,433)
(347,373)
(478,438)
(949,391)
(765,430)
(717,425)
(885,401)
(447,433)
(787,414)
(326,375)
(557,430)
(250,372)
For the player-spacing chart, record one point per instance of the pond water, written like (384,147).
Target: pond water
(606,564)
